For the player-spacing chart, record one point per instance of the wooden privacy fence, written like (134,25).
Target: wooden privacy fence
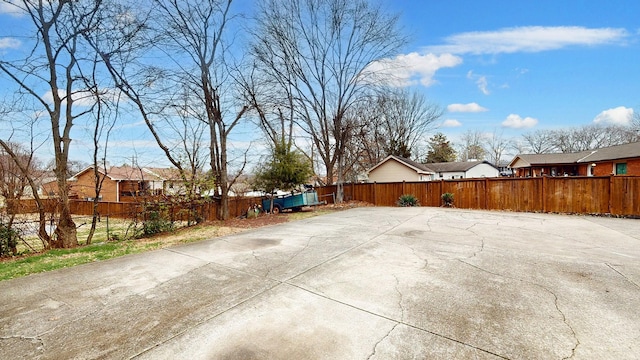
(206,210)
(616,195)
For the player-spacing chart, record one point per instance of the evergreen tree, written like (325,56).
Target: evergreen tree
(285,170)
(440,149)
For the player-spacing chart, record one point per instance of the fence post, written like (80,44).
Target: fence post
(375,198)
(403,188)
(544,193)
(486,194)
(610,205)
(353,191)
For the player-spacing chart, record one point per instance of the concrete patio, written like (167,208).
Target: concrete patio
(366,283)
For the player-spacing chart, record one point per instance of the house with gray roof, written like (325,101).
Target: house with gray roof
(613,160)
(464,170)
(397,169)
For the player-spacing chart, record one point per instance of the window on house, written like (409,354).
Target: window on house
(621,169)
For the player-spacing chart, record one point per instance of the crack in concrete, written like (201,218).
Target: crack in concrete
(480,250)
(204,320)
(555,302)
(398,322)
(386,232)
(623,275)
(375,346)
(286,262)
(564,319)
(401,299)
(277,283)
(425,267)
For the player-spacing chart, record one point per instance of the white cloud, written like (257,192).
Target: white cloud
(10,8)
(451,123)
(468,108)
(9,43)
(82,97)
(527,39)
(515,121)
(616,116)
(481,81)
(483,84)
(411,69)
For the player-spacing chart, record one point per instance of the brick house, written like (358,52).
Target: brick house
(121,183)
(613,160)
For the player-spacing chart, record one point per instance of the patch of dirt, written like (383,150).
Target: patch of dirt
(348,205)
(232,226)
(251,223)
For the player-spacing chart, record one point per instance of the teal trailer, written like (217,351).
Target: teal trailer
(295,202)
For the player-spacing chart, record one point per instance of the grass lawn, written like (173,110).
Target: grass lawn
(30,262)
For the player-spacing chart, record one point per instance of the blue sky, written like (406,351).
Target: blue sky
(517,66)
(508,66)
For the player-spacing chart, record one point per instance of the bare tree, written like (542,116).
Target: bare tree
(496,146)
(24,166)
(190,35)
(580,138)
(322,49)
(191,145)
(272,102)
(55,63)
(366,147)
(539,141)
(404,119)
(198,30)
(472,146)
(593,136)
(394,122)
(105,116)
(13,183)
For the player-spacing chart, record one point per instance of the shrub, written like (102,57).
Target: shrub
(447,199)
(407,200)
(157,220)
(8,240)
(156,224)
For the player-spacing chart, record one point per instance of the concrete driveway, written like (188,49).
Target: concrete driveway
(367,283)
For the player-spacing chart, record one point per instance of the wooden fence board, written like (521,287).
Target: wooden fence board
(625,196)
(514,194)
(617,195)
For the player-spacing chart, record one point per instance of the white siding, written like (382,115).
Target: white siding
(482,171)
(448,175)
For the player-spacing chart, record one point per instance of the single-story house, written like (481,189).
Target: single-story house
(396,169)
(464,170)
(121,183)
(613,160)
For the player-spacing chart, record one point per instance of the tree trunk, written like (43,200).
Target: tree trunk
(340,182)
(66,234)
(223,212)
